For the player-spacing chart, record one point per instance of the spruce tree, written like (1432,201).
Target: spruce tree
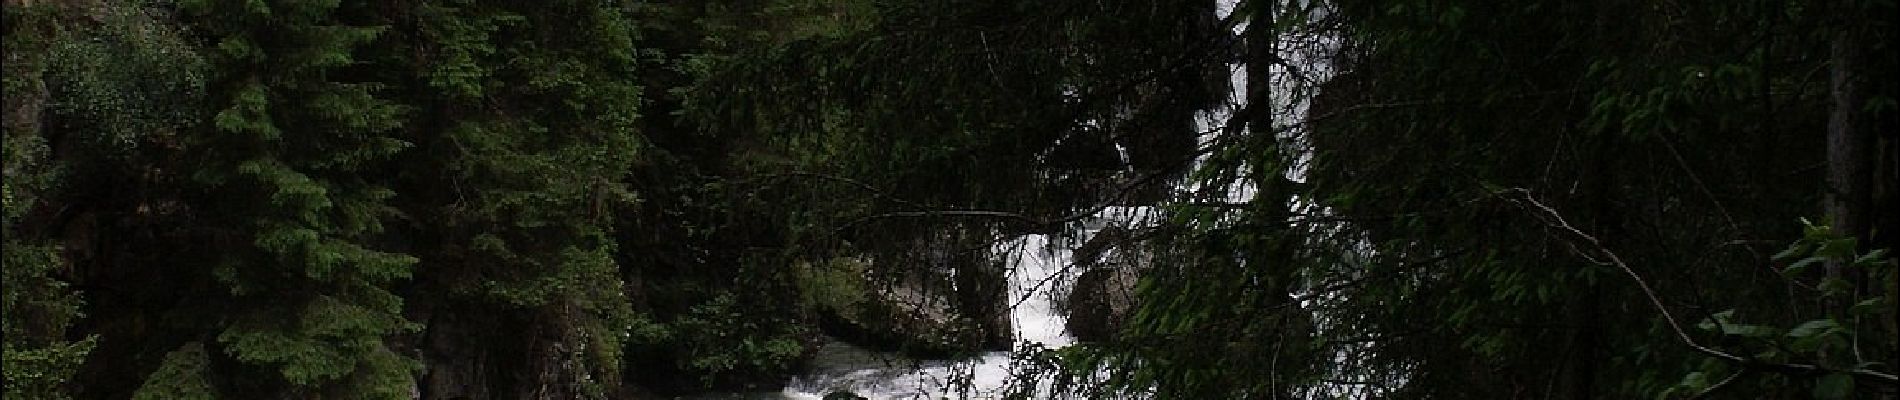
(525,119)
(292,171)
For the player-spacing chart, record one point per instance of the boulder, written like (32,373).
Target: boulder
(920,314)
(1100,303)
(1101,299)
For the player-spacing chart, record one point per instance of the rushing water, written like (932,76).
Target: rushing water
(1037,270)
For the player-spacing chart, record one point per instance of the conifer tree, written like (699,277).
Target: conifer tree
(35,309)
(525,117)
(292,168)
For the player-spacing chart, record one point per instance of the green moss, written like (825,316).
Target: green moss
(836,285)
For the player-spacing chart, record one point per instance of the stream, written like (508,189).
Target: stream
(1037,276)
(1036,273)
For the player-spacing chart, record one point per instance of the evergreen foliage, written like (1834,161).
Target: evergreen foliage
(233,199)
(525,118)
(291,161)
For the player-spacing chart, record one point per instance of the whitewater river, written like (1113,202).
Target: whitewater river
(1036,270)
(1036,273)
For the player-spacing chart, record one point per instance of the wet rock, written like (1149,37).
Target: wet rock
(1100,303)
(918,323)
(982,291)
(1104,295)
(918,314)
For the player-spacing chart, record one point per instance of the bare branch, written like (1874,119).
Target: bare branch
(1590,244)
(1719,385)
(879,193)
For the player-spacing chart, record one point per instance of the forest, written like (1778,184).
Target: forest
(993,199)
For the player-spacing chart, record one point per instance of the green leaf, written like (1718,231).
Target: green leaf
(1716,320)
(1793,250)
(1801,266)
(1691,383)
(1871,258)
(1810,231)
(1746,330)
(1833,286)
(1834,386)
(1814,328)
(1868,306)
(1838,248)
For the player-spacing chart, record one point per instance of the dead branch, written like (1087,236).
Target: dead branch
(1585,244)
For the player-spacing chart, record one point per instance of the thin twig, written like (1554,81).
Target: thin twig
(1719,385)
(1556,221)
(880,193)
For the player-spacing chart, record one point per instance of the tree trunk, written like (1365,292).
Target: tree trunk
(1849,141)
(1852,160)
(982,288)
(456,364)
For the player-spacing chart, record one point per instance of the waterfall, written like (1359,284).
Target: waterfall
(1036,275)
(1039,271)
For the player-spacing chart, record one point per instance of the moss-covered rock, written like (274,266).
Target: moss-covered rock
(916,316)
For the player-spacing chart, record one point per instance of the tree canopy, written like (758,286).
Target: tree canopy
(481,199)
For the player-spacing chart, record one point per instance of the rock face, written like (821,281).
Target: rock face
(935,302)
(905,319)
(1100,303)
(1104,295)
